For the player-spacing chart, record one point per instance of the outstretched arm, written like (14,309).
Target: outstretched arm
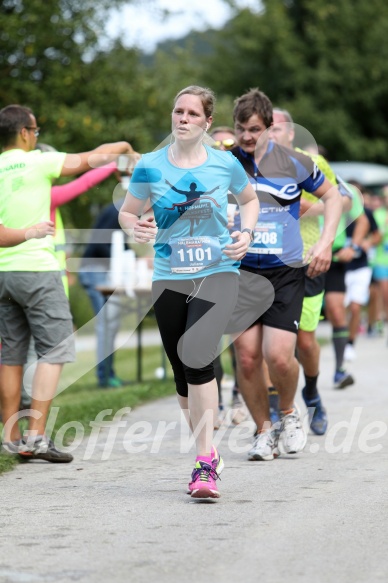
(77,163)
(211,191)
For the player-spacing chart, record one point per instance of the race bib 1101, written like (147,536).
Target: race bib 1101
(192,254)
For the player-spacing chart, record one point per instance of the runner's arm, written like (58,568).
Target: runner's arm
(316,208)
(361,230)
(319,256)
(130,218)
(372,240)
(249,208)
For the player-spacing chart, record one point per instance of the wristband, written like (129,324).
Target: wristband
(357,250)
(248,231)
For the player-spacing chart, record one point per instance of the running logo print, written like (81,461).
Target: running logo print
(200,211)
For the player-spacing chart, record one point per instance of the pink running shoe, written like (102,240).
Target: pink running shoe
(203,481)
(217,465)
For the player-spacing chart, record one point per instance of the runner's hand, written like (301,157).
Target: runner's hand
(345,254)
(319,259)
(239,248)
(145,230)
(133,159)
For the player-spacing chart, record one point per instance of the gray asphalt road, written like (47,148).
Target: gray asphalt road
(119,512)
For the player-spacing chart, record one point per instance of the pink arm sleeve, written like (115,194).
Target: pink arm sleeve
(66,192)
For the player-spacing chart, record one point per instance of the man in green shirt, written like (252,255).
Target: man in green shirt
(32,297)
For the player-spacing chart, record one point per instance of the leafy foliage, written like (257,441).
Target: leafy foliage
(324,60)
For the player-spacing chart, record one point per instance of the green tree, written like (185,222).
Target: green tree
(347,64)
(43,43)
(325,60)
(47,53)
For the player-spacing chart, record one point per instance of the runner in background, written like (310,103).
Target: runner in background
(279,175)
(358,275)
(344,251)
(308,349)
(375,317)
(380,263)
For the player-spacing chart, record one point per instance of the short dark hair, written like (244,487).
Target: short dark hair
(255,101)
(12,119)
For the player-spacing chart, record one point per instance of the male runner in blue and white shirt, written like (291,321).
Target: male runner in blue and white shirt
(278,175)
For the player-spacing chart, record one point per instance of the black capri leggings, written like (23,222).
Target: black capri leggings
(192,316)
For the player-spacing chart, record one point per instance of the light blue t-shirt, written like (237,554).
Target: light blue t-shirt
(190,207)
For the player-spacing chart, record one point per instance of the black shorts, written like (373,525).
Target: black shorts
(313,286)
(335,277)
(272,297)
(192,316)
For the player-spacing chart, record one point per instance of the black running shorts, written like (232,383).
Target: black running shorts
(275,294)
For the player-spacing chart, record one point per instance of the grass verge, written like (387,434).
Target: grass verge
(83,400)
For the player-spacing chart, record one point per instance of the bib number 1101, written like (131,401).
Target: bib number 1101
(197,254)
(192,254)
